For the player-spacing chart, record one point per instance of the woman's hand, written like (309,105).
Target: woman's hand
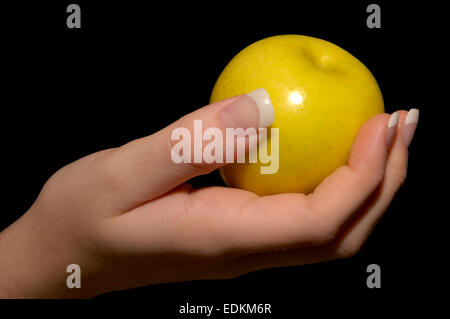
(128,219)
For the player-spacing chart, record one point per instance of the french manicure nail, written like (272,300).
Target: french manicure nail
(409,127)
(264,103)
(392,127)
(253,109)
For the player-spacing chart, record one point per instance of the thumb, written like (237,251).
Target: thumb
(151,166)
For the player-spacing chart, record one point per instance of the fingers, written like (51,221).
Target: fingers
(357,233)
(350,241)
(349,186)
(151,166)
(246,232)
(295,220)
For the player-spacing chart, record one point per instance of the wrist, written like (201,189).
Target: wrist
(33,261)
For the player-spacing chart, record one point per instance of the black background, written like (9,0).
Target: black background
(133,68)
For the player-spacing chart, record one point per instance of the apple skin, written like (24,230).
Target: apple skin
(321,96)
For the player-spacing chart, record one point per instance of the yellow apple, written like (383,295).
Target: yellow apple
(321,96)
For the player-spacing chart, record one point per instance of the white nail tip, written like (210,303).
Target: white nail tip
(393,120)
(412,117)
(265,106)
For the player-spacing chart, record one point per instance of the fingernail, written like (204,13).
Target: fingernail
(253,109)
(409,127)
(265,107)
(392,127)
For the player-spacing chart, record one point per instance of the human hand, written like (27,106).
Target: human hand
(128,218)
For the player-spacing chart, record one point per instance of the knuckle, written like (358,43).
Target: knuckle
(323,230)
(328,234)
(324,233)
(372,179)
(108,171)
(197,232)
(329,230)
